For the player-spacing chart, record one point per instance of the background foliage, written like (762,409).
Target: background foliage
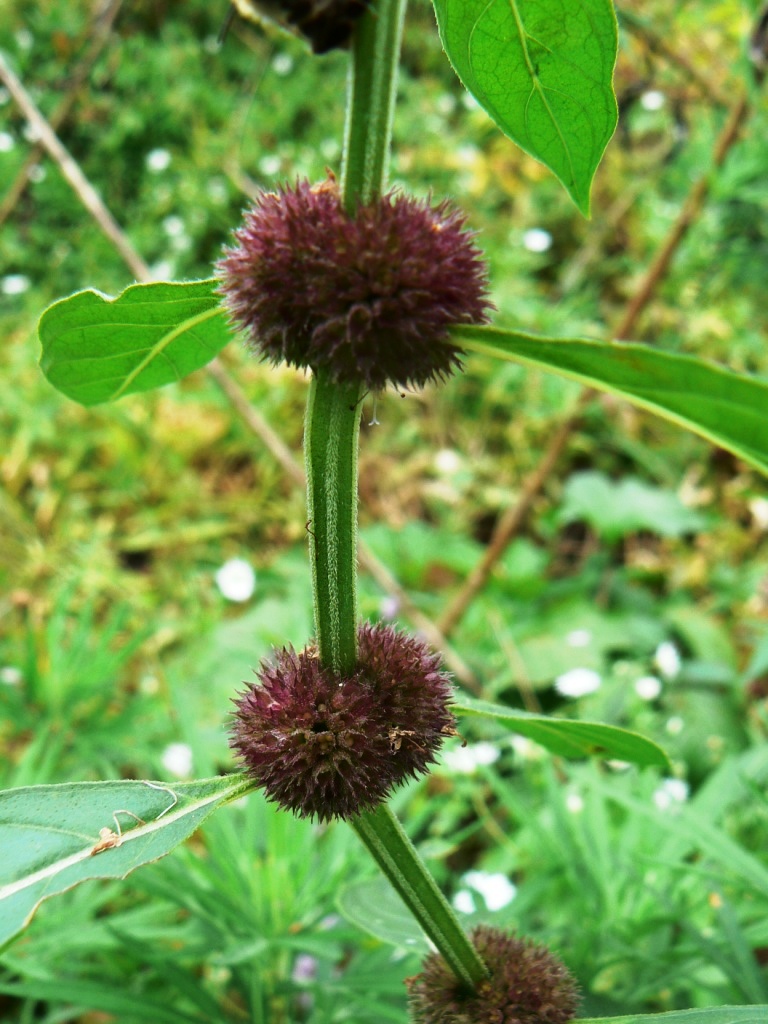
(639,576)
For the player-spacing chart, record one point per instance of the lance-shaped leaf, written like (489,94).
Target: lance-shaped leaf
(726,408)
(97,349)
(54,837)
(709,1015)
(543,70)
(567,738)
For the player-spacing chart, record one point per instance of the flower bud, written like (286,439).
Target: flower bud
(370,297)
(528,985)
(333,746)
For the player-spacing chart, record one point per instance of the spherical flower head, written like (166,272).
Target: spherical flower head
(370,297)
(327,746)
(528,985)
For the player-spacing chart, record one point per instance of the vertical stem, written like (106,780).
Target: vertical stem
(371,91)
(330,445)
(333,411)
(330,450)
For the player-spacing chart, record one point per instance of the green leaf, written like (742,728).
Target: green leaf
(568,738)
(97,349)
(726,408)
(709,1015)
(54,837)
(375,908)
(543,70)
(616,508)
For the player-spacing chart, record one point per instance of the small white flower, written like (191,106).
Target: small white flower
(464,902)
(158,160)
(537,240)
(446,103)
(578,638)
(282,64)
(162,270)
(177,760)
(675,725)
(270,164)
(648,687)
(574,802)
(14,284)
(759,509)
(652,100)
(467,759)
(578,682)
(389,607)
(10,675)
(671,791)
(496,889)
(7,142)
(173,226)
(447,461)
(31,133)
(667,658)
(467,156)
(236,580)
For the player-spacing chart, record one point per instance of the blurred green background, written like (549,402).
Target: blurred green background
(636,591)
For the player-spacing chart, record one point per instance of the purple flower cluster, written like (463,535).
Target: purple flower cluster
(328,746)
(369,297)
(528,985)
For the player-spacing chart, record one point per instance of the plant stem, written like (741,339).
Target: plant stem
(330,443)
(333,411)
(330,450)
(393,851)
(371,91)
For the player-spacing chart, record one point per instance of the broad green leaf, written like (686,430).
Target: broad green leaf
(375,908)
(709,1015)
(726,408)
(543,70)
(568,738)
(97,349)
(54,837)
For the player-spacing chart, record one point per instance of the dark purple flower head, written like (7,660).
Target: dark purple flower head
(370,297)
(528,985)
(331,746)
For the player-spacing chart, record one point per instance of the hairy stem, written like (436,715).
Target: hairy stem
(333,411)
(330,450)
(371,91)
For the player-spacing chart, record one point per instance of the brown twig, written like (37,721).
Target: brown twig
(103,20)
(511,522)
(216,370)
(86,193)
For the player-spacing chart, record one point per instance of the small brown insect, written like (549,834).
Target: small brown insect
(327,24)
(396,737)
(108,840)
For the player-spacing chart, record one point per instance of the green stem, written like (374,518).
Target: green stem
(330,451)
(393,851)
(333,411)
(371,91)
(330,442)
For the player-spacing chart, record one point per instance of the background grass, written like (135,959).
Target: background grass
(115,641)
